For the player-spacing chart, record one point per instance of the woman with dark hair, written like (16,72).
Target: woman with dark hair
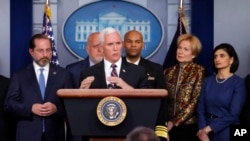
(222,97)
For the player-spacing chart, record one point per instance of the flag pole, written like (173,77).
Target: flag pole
(182,16)
(47,2)
(170,59)
(181,2)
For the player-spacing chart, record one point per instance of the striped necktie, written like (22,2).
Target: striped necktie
(114,74)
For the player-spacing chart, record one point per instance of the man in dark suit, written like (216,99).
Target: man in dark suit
(134,44)
(39,111)
(95,53)
(245,114)
(127,75)
(7,122)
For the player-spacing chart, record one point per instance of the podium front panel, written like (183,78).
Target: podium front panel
(83,119)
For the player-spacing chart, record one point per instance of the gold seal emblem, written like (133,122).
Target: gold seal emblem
(111,111)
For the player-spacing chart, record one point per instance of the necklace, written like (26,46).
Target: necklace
(220,81)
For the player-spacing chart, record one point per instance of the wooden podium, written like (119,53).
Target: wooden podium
(81,108)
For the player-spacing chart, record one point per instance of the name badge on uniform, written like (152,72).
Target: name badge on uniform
(150,77)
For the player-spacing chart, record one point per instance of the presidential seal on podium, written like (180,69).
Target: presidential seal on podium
(111,111)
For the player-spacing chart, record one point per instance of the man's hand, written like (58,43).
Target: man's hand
(44,110)
(170,125)
(86,83)
(119,82)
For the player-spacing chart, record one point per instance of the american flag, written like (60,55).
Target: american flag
(48,30)
(170,59)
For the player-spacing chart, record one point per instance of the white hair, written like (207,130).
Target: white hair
(105,31)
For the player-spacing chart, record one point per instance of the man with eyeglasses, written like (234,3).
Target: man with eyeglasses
(95,55)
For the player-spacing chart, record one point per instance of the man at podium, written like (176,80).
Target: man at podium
(113,72)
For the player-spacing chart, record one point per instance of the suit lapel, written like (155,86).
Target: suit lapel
(124,69)
(85,63)
(101,74)
(52,77)
(142,62)
(31,77)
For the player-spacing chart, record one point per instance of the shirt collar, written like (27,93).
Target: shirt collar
(91,63)
(107,64)
(37,67)
(136,62)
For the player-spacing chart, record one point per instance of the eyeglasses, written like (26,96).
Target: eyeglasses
(96,46)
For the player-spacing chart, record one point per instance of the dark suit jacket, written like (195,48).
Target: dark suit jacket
(7,123)
(245,115)
(24,92)
(75,70)
(155,74)
(133,75)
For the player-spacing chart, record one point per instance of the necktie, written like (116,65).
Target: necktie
(114,74)
(42,82)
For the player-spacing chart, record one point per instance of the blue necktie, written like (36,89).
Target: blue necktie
(114,74)
(42,82)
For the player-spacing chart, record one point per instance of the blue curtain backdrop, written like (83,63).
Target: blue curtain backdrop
(20,33)
(203,27)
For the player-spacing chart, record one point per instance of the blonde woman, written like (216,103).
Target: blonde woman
(183,82)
